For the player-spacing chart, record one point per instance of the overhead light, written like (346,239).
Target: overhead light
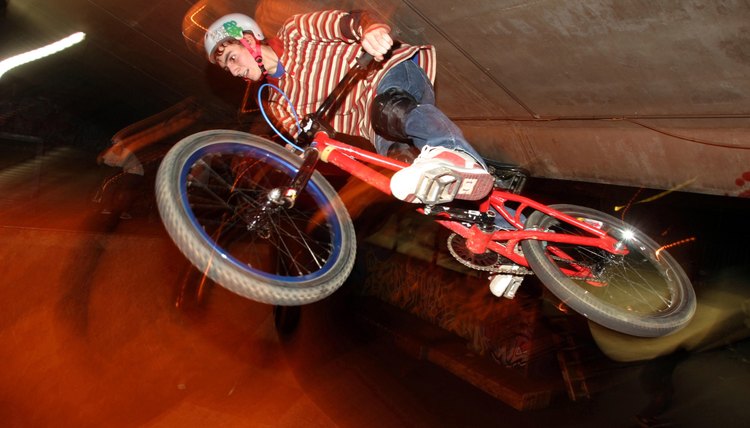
(20,59)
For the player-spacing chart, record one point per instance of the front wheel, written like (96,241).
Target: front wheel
(213,190)
(643,293)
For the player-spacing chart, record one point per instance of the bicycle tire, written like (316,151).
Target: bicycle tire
(645,293)
(211,191)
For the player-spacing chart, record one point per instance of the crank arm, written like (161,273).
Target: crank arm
(486,220)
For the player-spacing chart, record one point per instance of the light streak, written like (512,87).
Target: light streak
(33,55)
(630,202)
(657,196)
(674,244)
(192,18)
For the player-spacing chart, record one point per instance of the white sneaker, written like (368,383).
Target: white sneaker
(439,175)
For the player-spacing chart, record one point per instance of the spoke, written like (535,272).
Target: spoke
(305,242)
(630,276)
(285,229)
(286,243)
(287,251)
(646,285)
(223,184)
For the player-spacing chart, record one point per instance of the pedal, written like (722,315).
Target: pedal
(437,186)
(506,285)
(509,177)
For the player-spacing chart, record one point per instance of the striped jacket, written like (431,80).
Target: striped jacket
(318,49)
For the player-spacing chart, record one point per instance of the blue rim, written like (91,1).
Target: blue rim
(283,165)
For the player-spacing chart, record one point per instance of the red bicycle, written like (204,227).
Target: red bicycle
(261,221)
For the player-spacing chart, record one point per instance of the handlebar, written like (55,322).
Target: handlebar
(315,122)
(364,61)
(338,93)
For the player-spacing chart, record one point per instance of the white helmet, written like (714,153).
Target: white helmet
(229,26)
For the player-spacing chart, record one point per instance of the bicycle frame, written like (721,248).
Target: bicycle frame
(289,240)
(265,226)
(504,242)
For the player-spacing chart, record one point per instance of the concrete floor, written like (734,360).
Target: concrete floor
(91,335)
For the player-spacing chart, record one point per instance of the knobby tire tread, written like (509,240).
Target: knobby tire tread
(203,254)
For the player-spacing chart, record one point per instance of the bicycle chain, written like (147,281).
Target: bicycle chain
(498,267)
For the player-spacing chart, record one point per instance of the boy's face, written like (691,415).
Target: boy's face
(238,61)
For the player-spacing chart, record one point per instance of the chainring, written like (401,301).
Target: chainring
(485,261)
(489,261)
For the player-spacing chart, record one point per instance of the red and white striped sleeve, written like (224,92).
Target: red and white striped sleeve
(322,26)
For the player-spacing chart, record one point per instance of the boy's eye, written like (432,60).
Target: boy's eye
(229,60)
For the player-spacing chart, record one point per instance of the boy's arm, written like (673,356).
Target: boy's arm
(338,26)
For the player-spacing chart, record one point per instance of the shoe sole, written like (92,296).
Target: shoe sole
(473,184)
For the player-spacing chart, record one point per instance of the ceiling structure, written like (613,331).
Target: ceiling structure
(640,93)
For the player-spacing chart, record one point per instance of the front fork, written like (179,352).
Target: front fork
(286,196)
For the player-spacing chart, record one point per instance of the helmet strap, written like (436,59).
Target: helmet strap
(256,52)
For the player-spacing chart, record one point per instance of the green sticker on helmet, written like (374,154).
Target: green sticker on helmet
(233,30)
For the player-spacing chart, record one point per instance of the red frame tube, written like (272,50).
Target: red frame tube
(353,160)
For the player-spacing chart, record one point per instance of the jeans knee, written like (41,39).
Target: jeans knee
(389,112)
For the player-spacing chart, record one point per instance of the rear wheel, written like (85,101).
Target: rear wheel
(643,293)
(213,194)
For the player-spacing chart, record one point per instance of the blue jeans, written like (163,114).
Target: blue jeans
(426,125)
